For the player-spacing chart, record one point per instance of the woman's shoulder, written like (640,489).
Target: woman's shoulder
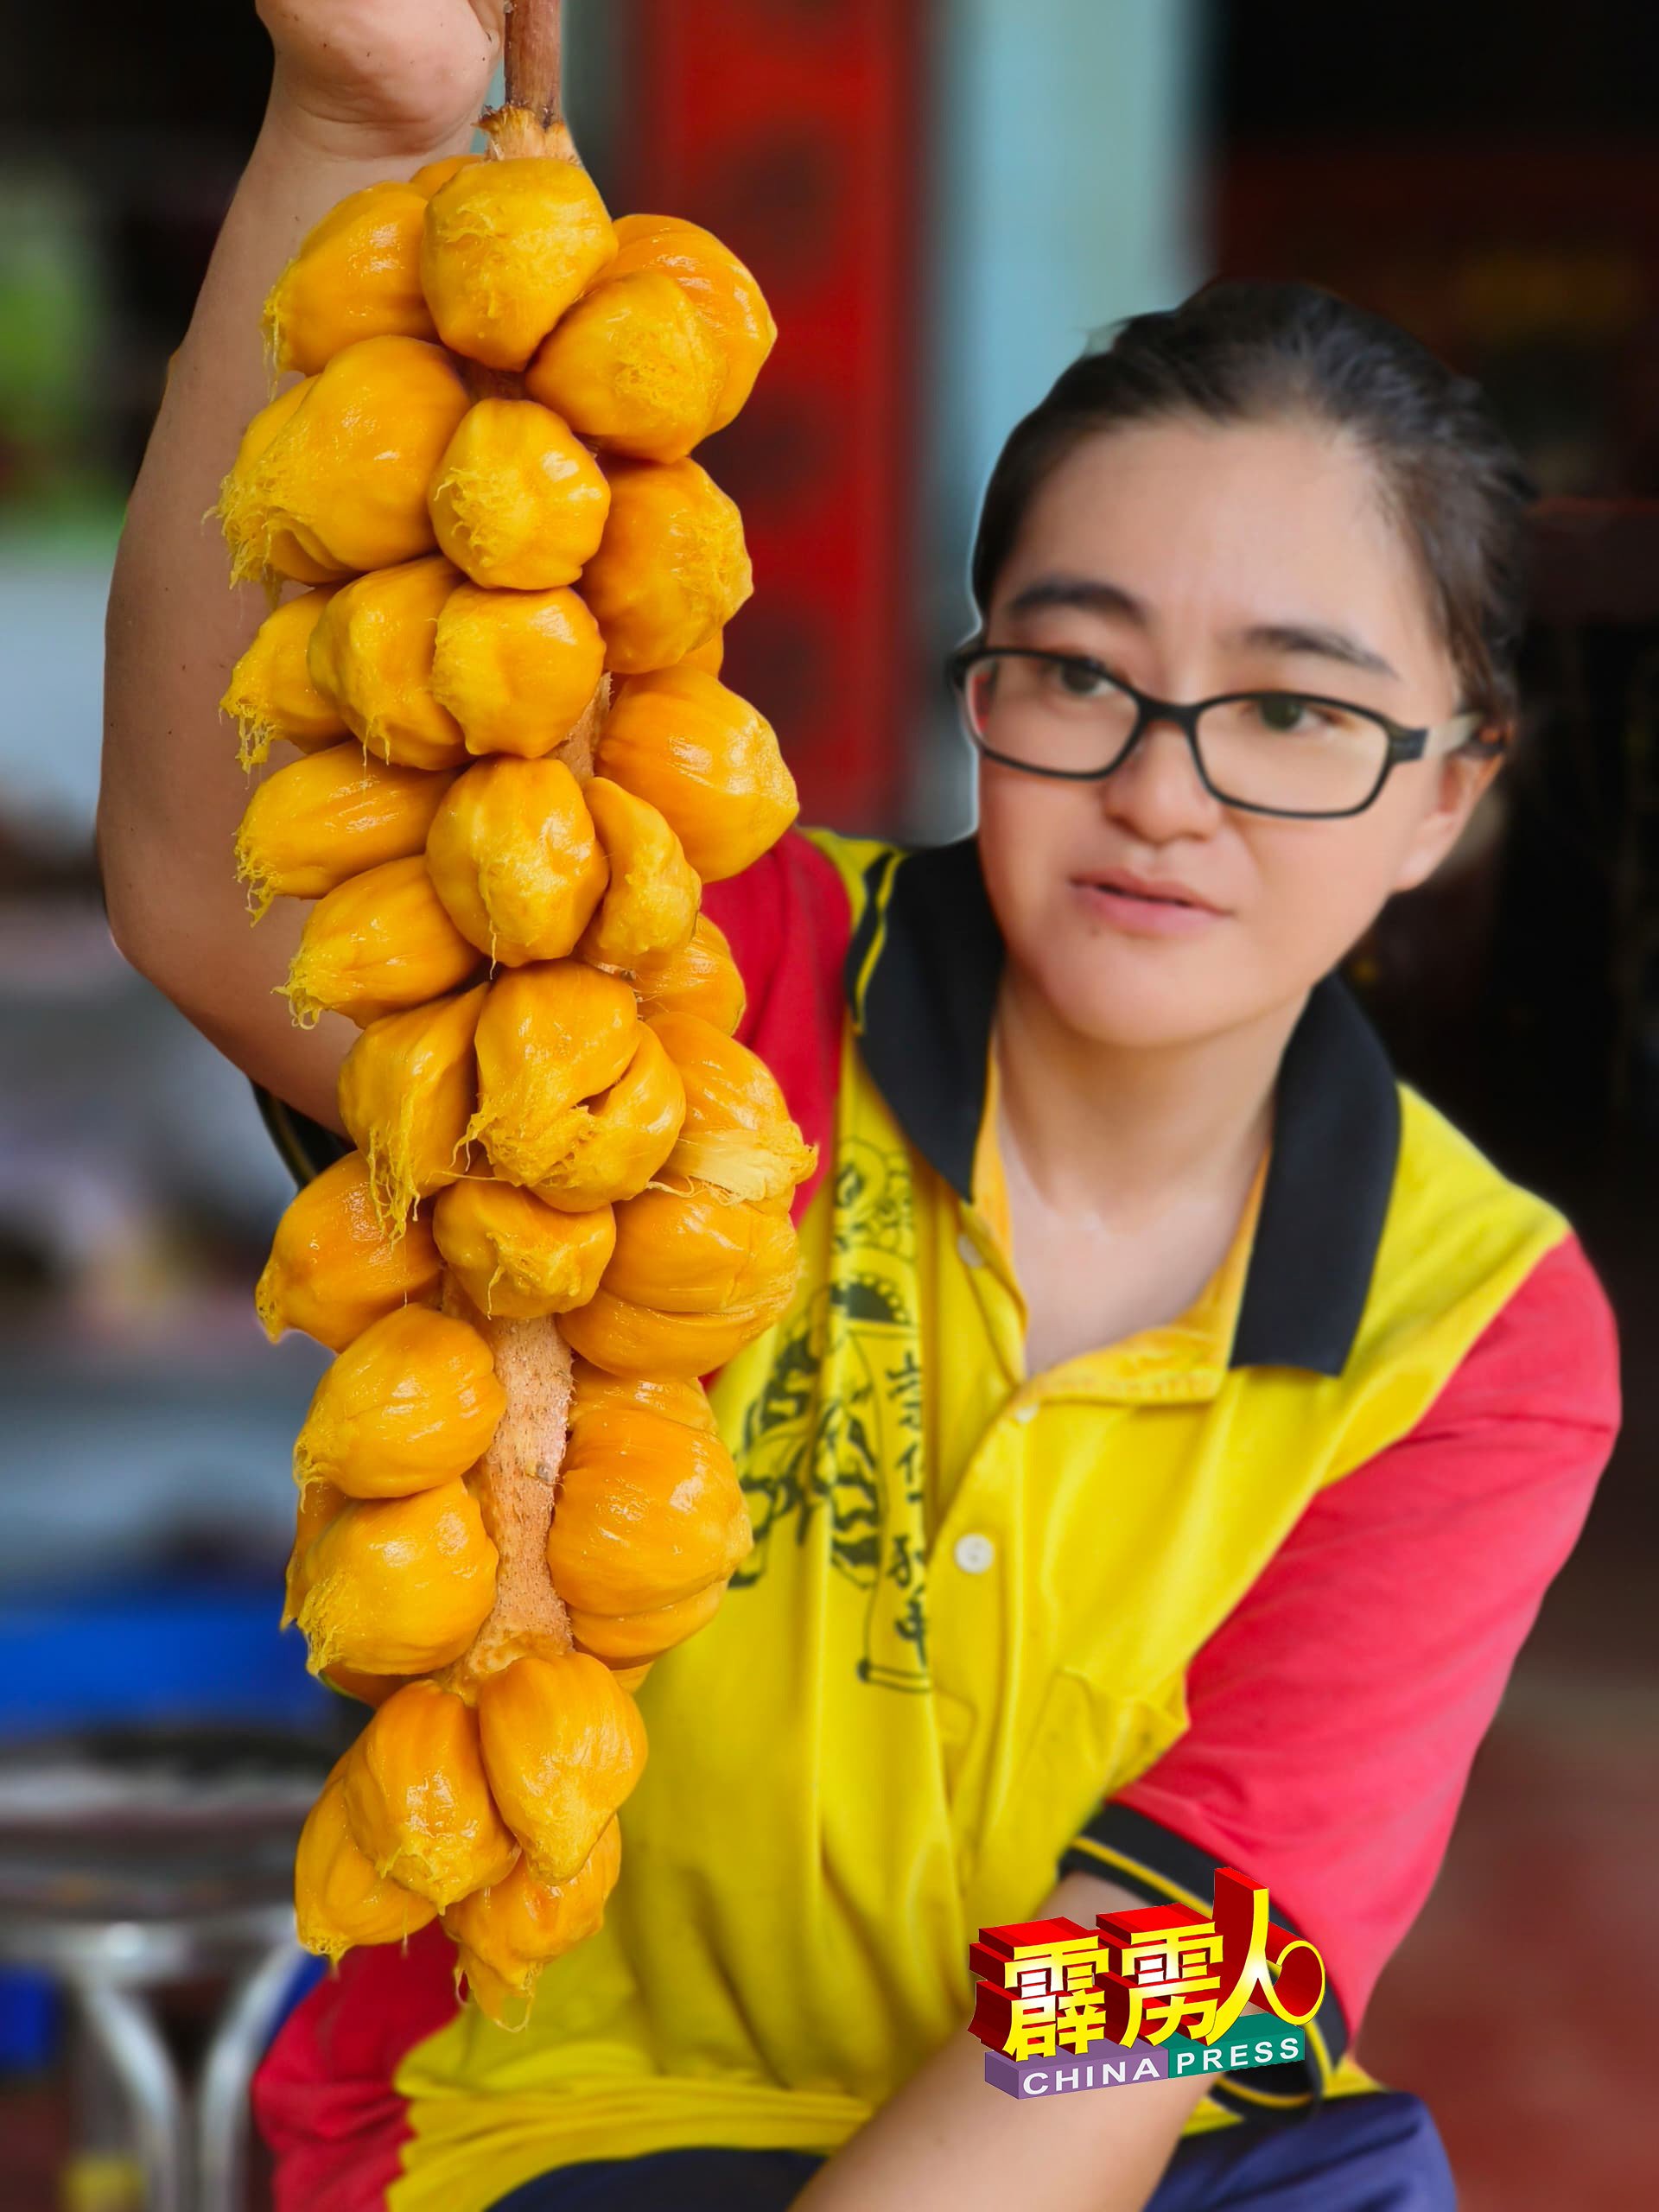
(1390,1241)
(1459,1228)
(1550,1354)
(808,881)
(789,920)
(1484,1283)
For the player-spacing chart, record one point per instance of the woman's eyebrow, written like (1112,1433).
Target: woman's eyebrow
(1319,640)
(1094,595)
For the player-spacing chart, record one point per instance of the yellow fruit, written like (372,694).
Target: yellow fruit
(371,654)
(318,1504)
(671,568)
(699,1252)
(339,1899)
(508,247)
(592,1391)
(719,285)
(516,1258)
(432,176)
(507,867)
(614,1142)
(649,903)
(708,657)
(328,817)
(333,1269)
(551,1037)
(412,1402)
(357,275)
(633,367)
(513,855)
(629,1339)
(629,1641)
(649,1513)
(367,1689)
(239,517)
(516,669)
(398,1585)
(378,944)
(507,1934)
(701,977)
(264,428)
(563,1746)
(706,761)
(408,1089)
(270,695)
(337,476)
(737,1135)
(518,499)
(417,1802)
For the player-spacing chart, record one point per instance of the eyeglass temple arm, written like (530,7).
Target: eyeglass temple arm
(1461,731)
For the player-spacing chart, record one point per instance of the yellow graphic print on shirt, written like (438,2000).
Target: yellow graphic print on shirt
(836,1427)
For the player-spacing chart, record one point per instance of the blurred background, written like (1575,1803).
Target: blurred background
(942,201)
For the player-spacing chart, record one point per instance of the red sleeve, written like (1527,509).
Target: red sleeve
(1335,1713)
(789,923)
(326,2095)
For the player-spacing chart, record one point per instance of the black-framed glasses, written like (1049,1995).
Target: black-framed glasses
(1268,752)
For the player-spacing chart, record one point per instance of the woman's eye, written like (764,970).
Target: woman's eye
(1282,710)
(1078,679)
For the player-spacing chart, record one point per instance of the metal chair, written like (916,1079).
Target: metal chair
(133,1858)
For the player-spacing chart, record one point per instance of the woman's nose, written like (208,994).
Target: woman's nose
(1158,793)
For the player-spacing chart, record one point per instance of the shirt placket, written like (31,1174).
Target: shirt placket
(984,1634)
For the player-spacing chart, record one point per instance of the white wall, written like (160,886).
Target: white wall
(51,686)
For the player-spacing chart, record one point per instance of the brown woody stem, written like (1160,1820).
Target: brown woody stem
(530,121)
(515,1483)
(533,58)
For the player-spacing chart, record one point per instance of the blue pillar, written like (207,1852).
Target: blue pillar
(1065,197)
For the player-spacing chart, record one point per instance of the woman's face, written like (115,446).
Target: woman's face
(1211,532)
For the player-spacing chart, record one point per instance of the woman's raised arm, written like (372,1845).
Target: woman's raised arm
(362,89)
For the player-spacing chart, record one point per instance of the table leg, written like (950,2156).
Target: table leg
(126,2031)
(237,2044)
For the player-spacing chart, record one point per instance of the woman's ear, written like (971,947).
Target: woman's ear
(1464,778)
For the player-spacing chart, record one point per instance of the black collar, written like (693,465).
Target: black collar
(922,974)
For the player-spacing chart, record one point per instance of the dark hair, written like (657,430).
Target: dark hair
(1238,353)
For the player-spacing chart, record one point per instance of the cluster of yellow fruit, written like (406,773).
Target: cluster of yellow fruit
(520,769)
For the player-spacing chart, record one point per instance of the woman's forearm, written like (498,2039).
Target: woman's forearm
(949,2138)
(172,791)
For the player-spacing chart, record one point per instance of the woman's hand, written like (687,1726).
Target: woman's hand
(948,2138)
(382,77)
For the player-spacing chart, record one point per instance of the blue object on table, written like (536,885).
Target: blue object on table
(28,2020)
(173,1651)
(155,1652)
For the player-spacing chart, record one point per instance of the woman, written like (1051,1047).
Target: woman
(1178,1422)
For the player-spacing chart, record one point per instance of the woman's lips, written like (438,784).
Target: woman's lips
(1142,912)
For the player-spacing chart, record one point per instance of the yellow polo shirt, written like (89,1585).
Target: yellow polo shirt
(967,1623)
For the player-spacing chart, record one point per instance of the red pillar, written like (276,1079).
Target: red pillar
(791,129)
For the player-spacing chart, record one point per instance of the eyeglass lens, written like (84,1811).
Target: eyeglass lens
(1272,749)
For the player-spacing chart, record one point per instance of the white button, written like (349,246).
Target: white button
(971,1255)
(973,1554)
(1025,1413)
